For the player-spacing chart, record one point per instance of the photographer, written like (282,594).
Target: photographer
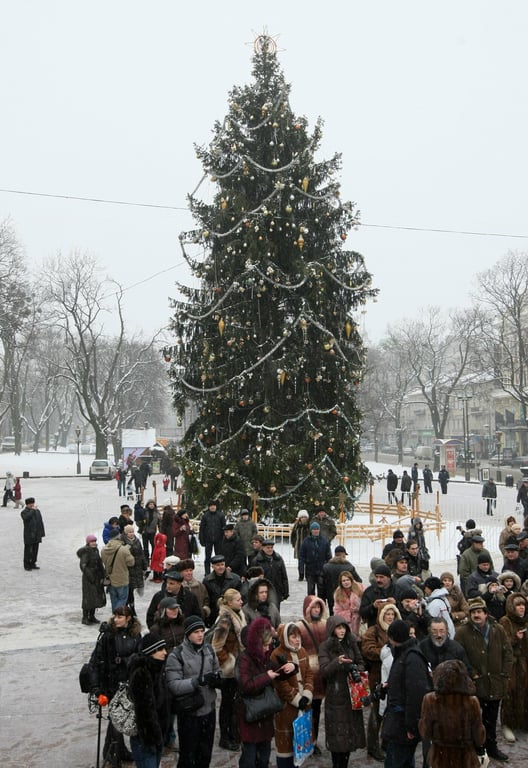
(484,582)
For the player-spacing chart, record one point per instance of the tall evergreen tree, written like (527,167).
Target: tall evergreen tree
(267,348)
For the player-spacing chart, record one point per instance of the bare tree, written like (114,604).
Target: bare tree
(437,350)
(97,363)
(503,300)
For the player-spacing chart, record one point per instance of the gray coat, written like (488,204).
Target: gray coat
(180,675)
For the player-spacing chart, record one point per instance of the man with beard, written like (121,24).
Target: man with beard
(438,646)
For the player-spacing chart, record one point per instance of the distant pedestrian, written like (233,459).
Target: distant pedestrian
(117,558)
(246,529)
(443,478)
(326,524)
(9,488)
(300,530)
(314,553)
(392,484)
(405,487)
(121,480)
(17,493)
(33,534)
(489,493)
(93,573)
(414,476)
(158,556)
(211,532)
(428,479)
(522,495)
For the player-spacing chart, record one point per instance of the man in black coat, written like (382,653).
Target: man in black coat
(233,551)
(428,479)
(211,532)
(216,584)
(392,484)
(377,595)
(173,587)
(438,646)
(409,681)
(274,569)
(33,533)
(314,553)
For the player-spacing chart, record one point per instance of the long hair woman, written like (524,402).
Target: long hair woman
(347,599)
(227,643)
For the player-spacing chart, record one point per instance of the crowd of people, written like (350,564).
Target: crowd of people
(426,643)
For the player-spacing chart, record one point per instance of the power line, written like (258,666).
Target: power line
(105,201)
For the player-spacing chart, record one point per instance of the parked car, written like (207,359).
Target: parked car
(101,469)
(424,452)
(408,450)
(8,444)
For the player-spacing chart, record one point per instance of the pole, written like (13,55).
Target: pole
(466,431)
(78,435)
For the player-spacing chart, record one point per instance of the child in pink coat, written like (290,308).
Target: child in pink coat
(159,554)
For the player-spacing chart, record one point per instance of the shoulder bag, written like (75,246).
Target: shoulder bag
(121,712)
(262,705)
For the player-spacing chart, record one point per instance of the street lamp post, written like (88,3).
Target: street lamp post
(465,426)
(78,436)
(498,436)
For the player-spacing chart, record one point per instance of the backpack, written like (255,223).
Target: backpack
(122,713)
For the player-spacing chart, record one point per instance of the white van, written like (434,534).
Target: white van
(423,452)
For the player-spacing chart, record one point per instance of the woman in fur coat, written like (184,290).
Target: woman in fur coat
(227,642)
(147,689)
(296,691)
(93,573)
(255,671)
(515,705)
(451,719)
(181,530)
(343,725)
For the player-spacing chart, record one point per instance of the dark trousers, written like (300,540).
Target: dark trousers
(428,488)
(490,506)
(255,755)
(208,547)
(340,759)
(400,755)
(30,554)
(227,719)
(313,583)
(148,541)
(196,738)
(490,713)
(316,717)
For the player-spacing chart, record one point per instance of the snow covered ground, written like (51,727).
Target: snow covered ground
(44,721)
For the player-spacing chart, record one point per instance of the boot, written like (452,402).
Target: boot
(91,617)
(86,617)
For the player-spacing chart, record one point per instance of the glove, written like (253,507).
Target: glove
(303,702)
(211,679)
(196,683)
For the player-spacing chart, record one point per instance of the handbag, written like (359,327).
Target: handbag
(193,544)
(188,702)
(262,705)
(358,690)
(85,678)
(303,745)
(121,712)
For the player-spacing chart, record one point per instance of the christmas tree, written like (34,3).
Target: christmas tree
(267,353)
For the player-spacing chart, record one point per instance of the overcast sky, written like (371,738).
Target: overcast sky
(426,101)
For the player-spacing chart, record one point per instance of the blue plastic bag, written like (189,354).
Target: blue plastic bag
(303,745)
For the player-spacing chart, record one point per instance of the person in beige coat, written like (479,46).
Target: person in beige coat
(117,559)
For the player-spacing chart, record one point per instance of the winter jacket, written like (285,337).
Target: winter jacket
(275,571)
(484,584)
(409,681)
(405,483)
(347,605)
(436,654)
(202,596)
(246,530)
(333,568)
(166,526)
(147,689)
(211,527)
(253,609)
(290,690)
(373,641)
(136,572)
(216,586)
(299,531)
(437,605)
(515,704)
(314,553)
(468,563)
(252,678)
(233,551)
(93,573)
(159,553)
(367,609)
(392,481)
(313,634)
(490,661)
(186,600)
(33,525)
(111,656)
(343,725)
(182,529)
(327,526)
(117,567)
(171,630)
(227,641)
(451,720)
(182,671)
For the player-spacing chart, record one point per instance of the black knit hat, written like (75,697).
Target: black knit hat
(398,631)
(151,643)
(191,624)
